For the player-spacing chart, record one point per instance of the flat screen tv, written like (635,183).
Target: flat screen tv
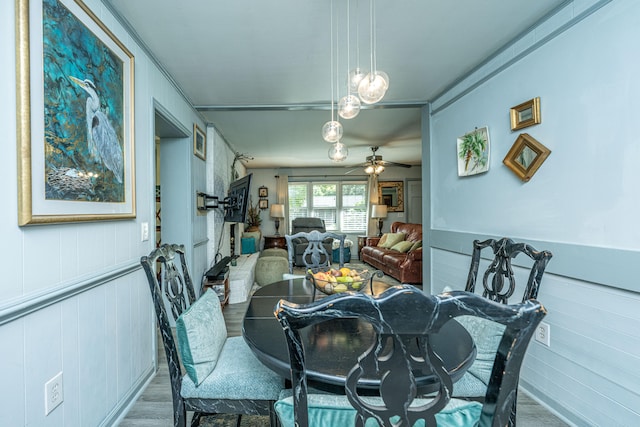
(237,200)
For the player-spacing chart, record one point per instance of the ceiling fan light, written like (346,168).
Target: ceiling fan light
(355,77)
(349,107)
(372,88)
(379,169)
(332,131)
(338,152)
(369,169)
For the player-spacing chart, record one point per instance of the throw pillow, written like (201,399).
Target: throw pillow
(201,335)
(416,245)
(403,246)
(257,235)
(392,239)
(248,245)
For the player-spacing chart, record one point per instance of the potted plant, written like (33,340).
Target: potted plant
(253,217)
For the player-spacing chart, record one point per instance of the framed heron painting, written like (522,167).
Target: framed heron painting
(75,103)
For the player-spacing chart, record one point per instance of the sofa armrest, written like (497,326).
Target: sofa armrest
(415,255)
(372,241)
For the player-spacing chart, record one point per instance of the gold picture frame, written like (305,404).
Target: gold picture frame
(199,142)
(526,156)
(526,114)
(66,174)
(391,193)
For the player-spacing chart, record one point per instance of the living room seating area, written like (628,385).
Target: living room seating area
(398,253)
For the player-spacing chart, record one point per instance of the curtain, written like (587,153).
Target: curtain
(282,197)
(372,226)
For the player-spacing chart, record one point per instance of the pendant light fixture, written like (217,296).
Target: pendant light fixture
(332,130)
(338,152)
(349,105)
(357,74)
(374,85)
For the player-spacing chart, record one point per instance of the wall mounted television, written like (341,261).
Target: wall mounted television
(237,200)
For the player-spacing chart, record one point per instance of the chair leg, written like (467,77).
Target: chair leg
(274,421)
(239,420)
(195,421)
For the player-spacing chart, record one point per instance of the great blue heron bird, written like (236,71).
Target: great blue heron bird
(101,137)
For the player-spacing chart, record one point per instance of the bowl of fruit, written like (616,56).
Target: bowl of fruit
(333,280)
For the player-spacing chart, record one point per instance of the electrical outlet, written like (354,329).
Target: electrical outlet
(543,334)
(144,231)
(53,393)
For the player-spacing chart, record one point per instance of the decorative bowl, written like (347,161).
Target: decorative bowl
(332,281)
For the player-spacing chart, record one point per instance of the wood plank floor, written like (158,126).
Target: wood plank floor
(154,407)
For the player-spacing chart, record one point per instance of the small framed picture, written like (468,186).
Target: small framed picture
(526,114)
(263,191)
(526,156)
(199,142)
(263,204)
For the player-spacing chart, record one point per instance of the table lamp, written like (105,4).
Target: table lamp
(277,212)
(379,212)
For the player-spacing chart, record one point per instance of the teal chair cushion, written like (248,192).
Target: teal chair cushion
(237,375)
(336,411)
(486,335)
(201,333)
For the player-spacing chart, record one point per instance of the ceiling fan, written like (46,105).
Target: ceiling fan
(375,164)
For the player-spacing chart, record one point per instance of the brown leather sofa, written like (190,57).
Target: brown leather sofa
(403,266)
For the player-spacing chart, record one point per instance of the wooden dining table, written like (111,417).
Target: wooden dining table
(332,347)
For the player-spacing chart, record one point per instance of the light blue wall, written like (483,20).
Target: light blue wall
(582,203)
(72,296)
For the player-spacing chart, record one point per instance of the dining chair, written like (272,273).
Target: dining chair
(222,374)
(499,272)
(310,248)
(404,318)
(498,284)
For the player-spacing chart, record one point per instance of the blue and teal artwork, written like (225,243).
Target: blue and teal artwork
(83,111)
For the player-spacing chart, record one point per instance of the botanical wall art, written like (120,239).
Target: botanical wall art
(473,152)
(75,98)
(526,156)
(526,114)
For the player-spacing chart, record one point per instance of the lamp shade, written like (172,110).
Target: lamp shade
(277,211)
(379,211)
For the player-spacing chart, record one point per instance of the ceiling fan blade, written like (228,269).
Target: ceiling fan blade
(388,163)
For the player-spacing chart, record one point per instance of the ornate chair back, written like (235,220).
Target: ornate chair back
(498,280)
(404,319)
(315,256)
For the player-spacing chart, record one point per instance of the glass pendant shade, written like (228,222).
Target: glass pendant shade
(338,152)
(349,106)
(373,87)
(332,131)
(355,77)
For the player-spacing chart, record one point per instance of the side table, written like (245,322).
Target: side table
(275,242)
(220,285)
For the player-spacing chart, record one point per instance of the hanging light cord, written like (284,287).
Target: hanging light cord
(331,49)
(371,36)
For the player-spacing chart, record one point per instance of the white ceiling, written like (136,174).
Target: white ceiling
(260,71)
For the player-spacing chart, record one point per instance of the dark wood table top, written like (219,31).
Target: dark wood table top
(332,347)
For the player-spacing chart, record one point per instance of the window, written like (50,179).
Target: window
(342,206)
